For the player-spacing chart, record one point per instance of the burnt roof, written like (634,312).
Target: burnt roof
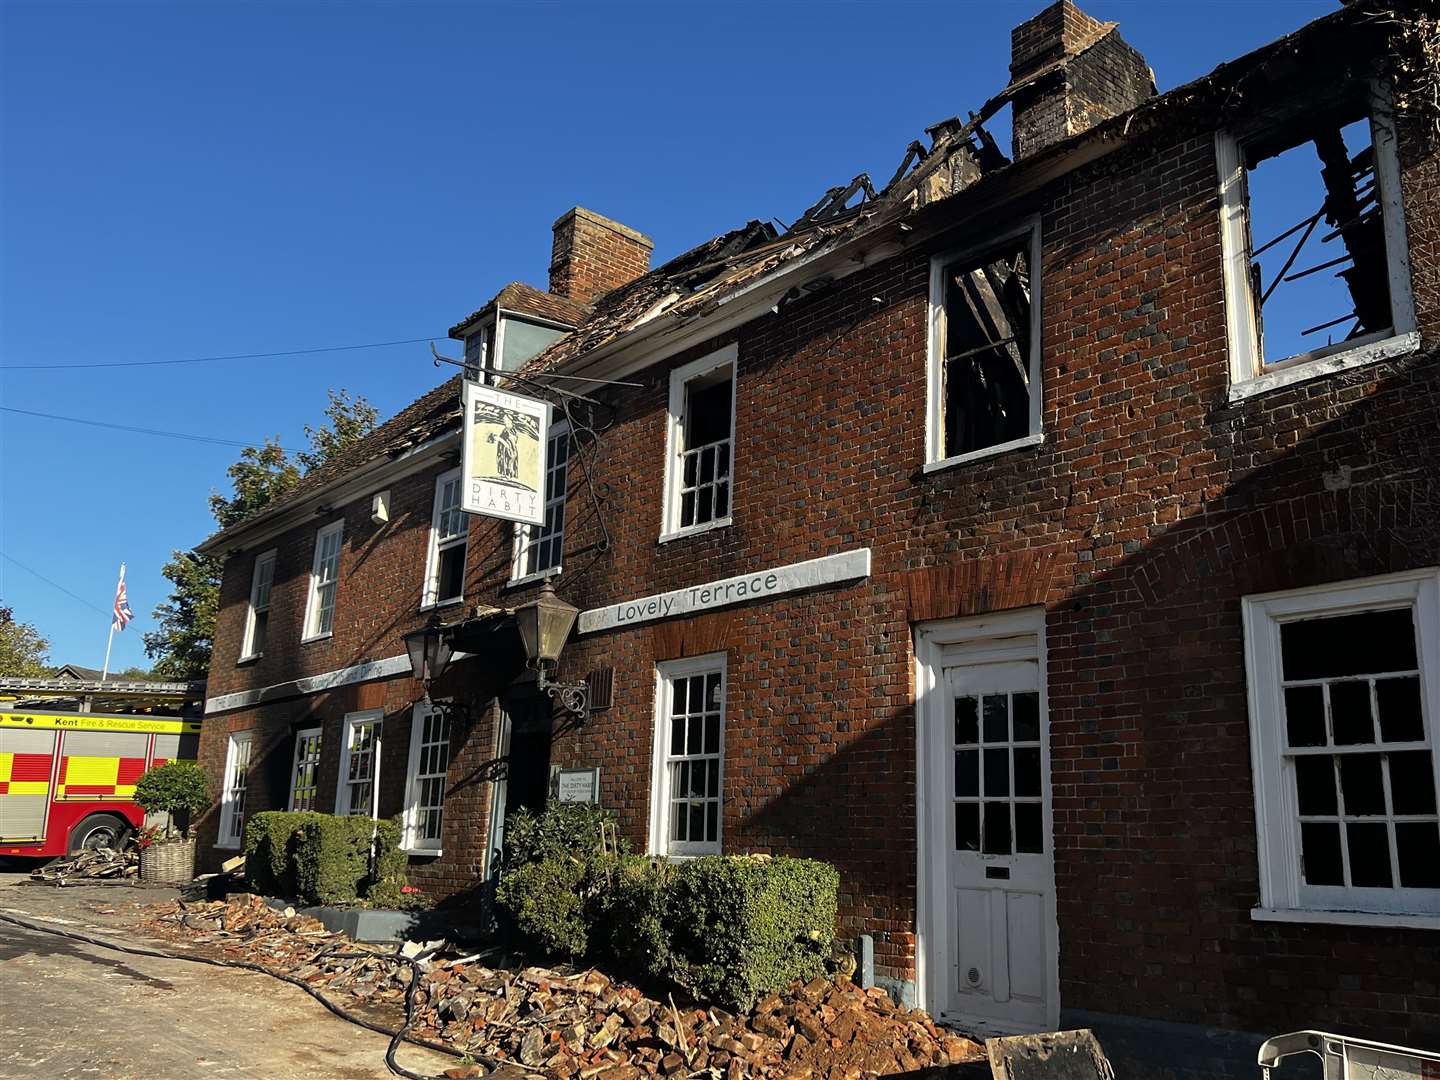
(693,282)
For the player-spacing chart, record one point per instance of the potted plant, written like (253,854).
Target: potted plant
(167,855)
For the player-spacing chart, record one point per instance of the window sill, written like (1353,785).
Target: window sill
(423,853)
(228,847)
(316,637)
(1389,919)
(988,452)
(1303,371)
(695,530)
(248,659)
(438,604)
(530,579)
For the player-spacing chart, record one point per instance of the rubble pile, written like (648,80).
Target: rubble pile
(583,1025)
(89,866)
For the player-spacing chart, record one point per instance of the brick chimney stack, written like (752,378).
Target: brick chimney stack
(592,255)
(1068,72)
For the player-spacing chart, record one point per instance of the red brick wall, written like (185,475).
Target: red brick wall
(1150,509)
(592,255)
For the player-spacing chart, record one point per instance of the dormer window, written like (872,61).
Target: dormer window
(508,343)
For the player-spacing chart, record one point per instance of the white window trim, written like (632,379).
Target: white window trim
(227,805)
(666,672)
(247,648)
(935,352)
(1247,374)
(412,844)
(670,528)
(312,610)
(342,789)
(1277,829)
(428,597)
(300,736)
(521,534)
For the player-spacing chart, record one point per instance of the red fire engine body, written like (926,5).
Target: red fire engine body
(67,780)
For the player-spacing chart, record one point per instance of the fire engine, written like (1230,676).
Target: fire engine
(67,779)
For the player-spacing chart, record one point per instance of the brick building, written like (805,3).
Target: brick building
(1006,536)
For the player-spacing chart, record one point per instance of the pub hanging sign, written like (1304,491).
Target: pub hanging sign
(503,457)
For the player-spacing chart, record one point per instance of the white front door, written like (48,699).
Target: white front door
(988,867)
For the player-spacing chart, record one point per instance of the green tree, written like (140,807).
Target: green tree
(347,421)
(181,645)
(24,653)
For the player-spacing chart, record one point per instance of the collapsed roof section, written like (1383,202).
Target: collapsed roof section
(960,169)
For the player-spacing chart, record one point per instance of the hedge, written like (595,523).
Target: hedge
(740,927)
(322,858)
(729,929)
(556,874)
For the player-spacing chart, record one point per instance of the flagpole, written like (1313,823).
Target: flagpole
(105,671)
(108,642)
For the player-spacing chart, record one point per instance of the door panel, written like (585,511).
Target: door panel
(1001,871)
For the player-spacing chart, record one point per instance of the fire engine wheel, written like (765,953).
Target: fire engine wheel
(98,830)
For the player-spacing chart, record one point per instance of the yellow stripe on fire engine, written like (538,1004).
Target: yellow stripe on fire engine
(19,787)
(98,722)
(91,773)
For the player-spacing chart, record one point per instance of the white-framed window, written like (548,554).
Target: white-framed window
(700,444)
(449,537)
(305,769)
(1344,696)
(689,757)
(425,779)
(358,792)
(1317,275)
(984,394)
(480,352)
(238,752)
(324,578)
(257,619)
(541,550)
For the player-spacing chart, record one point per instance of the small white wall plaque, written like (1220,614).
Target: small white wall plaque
(577,785)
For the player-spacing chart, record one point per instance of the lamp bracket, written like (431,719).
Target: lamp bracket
(574,698)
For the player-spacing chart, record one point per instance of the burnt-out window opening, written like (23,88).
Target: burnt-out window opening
(1355,736)
(705,448)
(1319,276)
(987,363)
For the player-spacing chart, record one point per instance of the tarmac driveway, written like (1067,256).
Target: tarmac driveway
(71,1010)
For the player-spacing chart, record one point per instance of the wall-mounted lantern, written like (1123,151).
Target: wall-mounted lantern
(544,626)
(430,650)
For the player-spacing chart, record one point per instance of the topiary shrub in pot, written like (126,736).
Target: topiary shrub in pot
(167,855)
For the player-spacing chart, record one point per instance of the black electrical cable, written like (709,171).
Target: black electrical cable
(396,1035)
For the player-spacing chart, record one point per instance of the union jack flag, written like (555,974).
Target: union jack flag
(123,614)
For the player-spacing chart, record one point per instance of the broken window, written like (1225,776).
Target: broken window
(1356,787)
(702,414)
(1314,244)
(985,380)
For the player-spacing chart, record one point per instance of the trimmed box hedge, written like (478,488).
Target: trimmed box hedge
(321,858)
(739,927)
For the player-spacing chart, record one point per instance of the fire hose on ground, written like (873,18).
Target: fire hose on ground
(397,1036)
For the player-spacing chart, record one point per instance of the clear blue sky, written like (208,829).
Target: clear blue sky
(183,180)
